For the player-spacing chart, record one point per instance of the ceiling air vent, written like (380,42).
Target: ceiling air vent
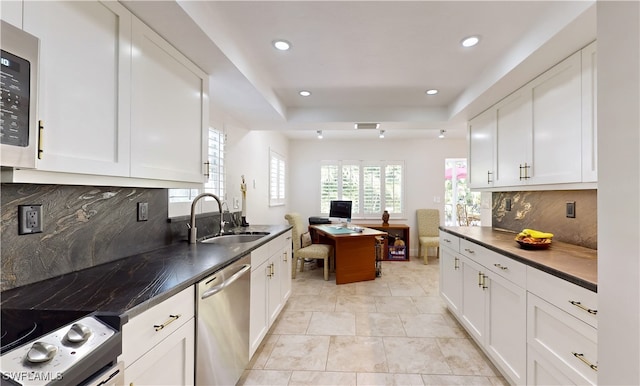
(364,126)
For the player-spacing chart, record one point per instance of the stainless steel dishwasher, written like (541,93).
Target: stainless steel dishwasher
(222,341)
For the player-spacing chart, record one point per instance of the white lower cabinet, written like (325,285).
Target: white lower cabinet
(450,273)
(494,312)
(270,286)
(561,330)
(158,345)
(536,328)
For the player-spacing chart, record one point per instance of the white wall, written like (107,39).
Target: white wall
(247,153)
(618,192)
(424,171)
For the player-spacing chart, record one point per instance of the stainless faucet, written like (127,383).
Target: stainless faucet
(193,231)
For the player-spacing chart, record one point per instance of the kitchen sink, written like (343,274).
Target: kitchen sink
(236,238)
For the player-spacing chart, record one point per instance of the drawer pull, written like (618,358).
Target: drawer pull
(502,267)
(585,361)
(172,318)
(469,250)
(446,240)
(456,263)
(579,305)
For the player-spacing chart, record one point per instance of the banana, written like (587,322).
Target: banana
(535,234)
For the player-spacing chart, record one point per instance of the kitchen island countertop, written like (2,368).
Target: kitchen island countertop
(129,286)
(573,263)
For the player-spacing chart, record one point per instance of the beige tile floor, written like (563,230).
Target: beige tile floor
(394,330)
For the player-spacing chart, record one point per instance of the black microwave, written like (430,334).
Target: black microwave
(18,98)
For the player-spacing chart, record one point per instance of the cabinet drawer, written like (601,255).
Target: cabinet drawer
(577,301)
(449,241)
(260,255)
(506,267)
(140,334)
(472,250)
(562,339)
(277,244)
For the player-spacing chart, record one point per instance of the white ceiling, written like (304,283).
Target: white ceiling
(368,61)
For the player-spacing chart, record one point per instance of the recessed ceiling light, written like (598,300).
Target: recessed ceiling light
(432,91)
(319,132)
(305,93)
(470,41)
(381,134)
(442,131)
(281,45)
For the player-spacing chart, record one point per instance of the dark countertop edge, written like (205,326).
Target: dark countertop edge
(159,298)
(123,315)
(545,268)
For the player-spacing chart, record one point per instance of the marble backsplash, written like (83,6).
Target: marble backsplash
(545,211)
(84,226)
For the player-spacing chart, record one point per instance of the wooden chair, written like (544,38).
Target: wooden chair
(428,221)
(314,251)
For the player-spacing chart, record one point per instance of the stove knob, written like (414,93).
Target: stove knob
(78,333)
(41,352)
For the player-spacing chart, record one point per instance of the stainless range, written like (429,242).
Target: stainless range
(58,347)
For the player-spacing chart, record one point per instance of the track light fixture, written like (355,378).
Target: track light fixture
(381,134)
(442,131)
(319,134)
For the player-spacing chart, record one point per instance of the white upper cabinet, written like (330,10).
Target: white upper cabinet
(556,110)
(513,138)
(544,133)
(11,11)
(118,104)
(169,111)
(83,98)
(589,114)
(482,136)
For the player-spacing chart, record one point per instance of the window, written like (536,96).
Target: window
(277,174)
(372,186)
(180,199)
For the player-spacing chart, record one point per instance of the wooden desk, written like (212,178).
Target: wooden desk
(394,231)
(354,251)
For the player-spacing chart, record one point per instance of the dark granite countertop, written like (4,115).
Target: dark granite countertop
(129,286)
(573,263)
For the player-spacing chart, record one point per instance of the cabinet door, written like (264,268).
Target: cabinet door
(258,323)
(557,130)
(285,274)
(589,114)
(506,338)
(85,57)
(482,135)
(170,362)
(451,279)
(168,113)
(473,298)
(274,302)
(513,138)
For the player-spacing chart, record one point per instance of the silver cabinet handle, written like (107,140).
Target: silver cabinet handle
(456,265)
(446,240)
(585,361)
(215,289)
(502,267)
(469,250)
(172,318)
(582,307)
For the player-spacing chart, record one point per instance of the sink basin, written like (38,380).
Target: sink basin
(235,239)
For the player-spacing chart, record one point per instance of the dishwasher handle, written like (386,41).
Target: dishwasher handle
(215,289)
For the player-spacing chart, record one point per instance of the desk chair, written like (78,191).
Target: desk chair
(428,232)
(312,251)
